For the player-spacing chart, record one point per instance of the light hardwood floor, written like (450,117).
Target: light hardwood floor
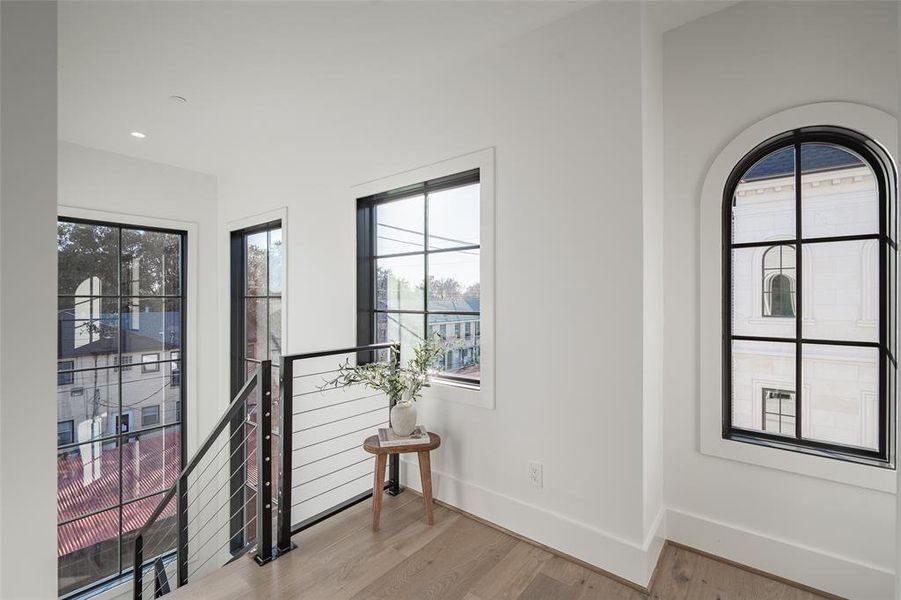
(459,558)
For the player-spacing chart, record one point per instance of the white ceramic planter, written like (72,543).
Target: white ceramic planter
(403,417)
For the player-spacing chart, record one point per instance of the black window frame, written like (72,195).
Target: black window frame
(367,256)
(877,158)
(119,438)
(238,365)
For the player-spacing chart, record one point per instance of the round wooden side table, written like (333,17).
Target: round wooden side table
(371,445)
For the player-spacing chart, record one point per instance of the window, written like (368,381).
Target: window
(802,214)
(419,270)
(150,363)
(174,369)
(150,415)
(65,433)
(256,334)
(779,282)
(125,361)
(65,377)
(123,423)
(779,411)
(256,299)
(120,295)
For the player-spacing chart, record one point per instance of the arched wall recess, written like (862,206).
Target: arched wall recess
(877,125)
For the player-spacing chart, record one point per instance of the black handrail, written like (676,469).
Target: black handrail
(180,487)
(237,403)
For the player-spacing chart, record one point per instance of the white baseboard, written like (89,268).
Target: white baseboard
(623,558)
(831,573)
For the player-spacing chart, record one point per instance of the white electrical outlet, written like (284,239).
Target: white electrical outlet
(536,474)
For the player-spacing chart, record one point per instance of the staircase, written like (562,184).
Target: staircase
(284,430)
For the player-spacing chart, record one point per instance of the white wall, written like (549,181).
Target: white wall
(27,303)
(652,254)
(721,74)
(132,190)
(562,107)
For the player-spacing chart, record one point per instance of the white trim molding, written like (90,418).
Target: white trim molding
(879,126)
(634,562)
(483,395)
(818,569)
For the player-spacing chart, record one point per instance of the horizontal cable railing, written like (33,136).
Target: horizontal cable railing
(323,466)
(307,438)
(217,509)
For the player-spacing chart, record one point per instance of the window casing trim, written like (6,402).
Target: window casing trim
(483,160)
(876,125)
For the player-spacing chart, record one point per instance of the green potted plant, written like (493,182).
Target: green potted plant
(402,384)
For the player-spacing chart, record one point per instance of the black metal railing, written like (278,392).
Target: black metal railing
(229,480)
(329,436)
(185,533)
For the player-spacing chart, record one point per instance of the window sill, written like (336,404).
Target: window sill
(464,393)
(877,478)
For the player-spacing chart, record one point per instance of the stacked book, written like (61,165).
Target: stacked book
(387,438)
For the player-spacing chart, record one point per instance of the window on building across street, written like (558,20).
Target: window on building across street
(65,432)
(809,352)
(779,282)
(150,363)
(65,375)
(419,249)
(121,297)
(779,411)
(150,415)
(175,370)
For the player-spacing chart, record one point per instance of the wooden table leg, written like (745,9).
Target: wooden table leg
(378,489)
(425,474)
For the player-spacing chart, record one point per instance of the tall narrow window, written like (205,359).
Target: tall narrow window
(121,300)
(256,334)
(419,271)
(256,299)
(815,375)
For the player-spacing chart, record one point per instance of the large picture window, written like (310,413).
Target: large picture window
(419,271)
(809,296)
(119,432)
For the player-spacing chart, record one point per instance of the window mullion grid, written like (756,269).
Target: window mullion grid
(799,274)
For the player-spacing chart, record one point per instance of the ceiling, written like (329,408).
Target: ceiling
(255,71)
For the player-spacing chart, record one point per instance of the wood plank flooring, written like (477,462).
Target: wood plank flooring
(460,559)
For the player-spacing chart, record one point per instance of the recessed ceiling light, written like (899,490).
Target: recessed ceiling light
(138,135)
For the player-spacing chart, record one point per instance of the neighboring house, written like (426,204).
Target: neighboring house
(151,374)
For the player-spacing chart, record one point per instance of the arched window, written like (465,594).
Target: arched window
(829,192)
(779,282)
